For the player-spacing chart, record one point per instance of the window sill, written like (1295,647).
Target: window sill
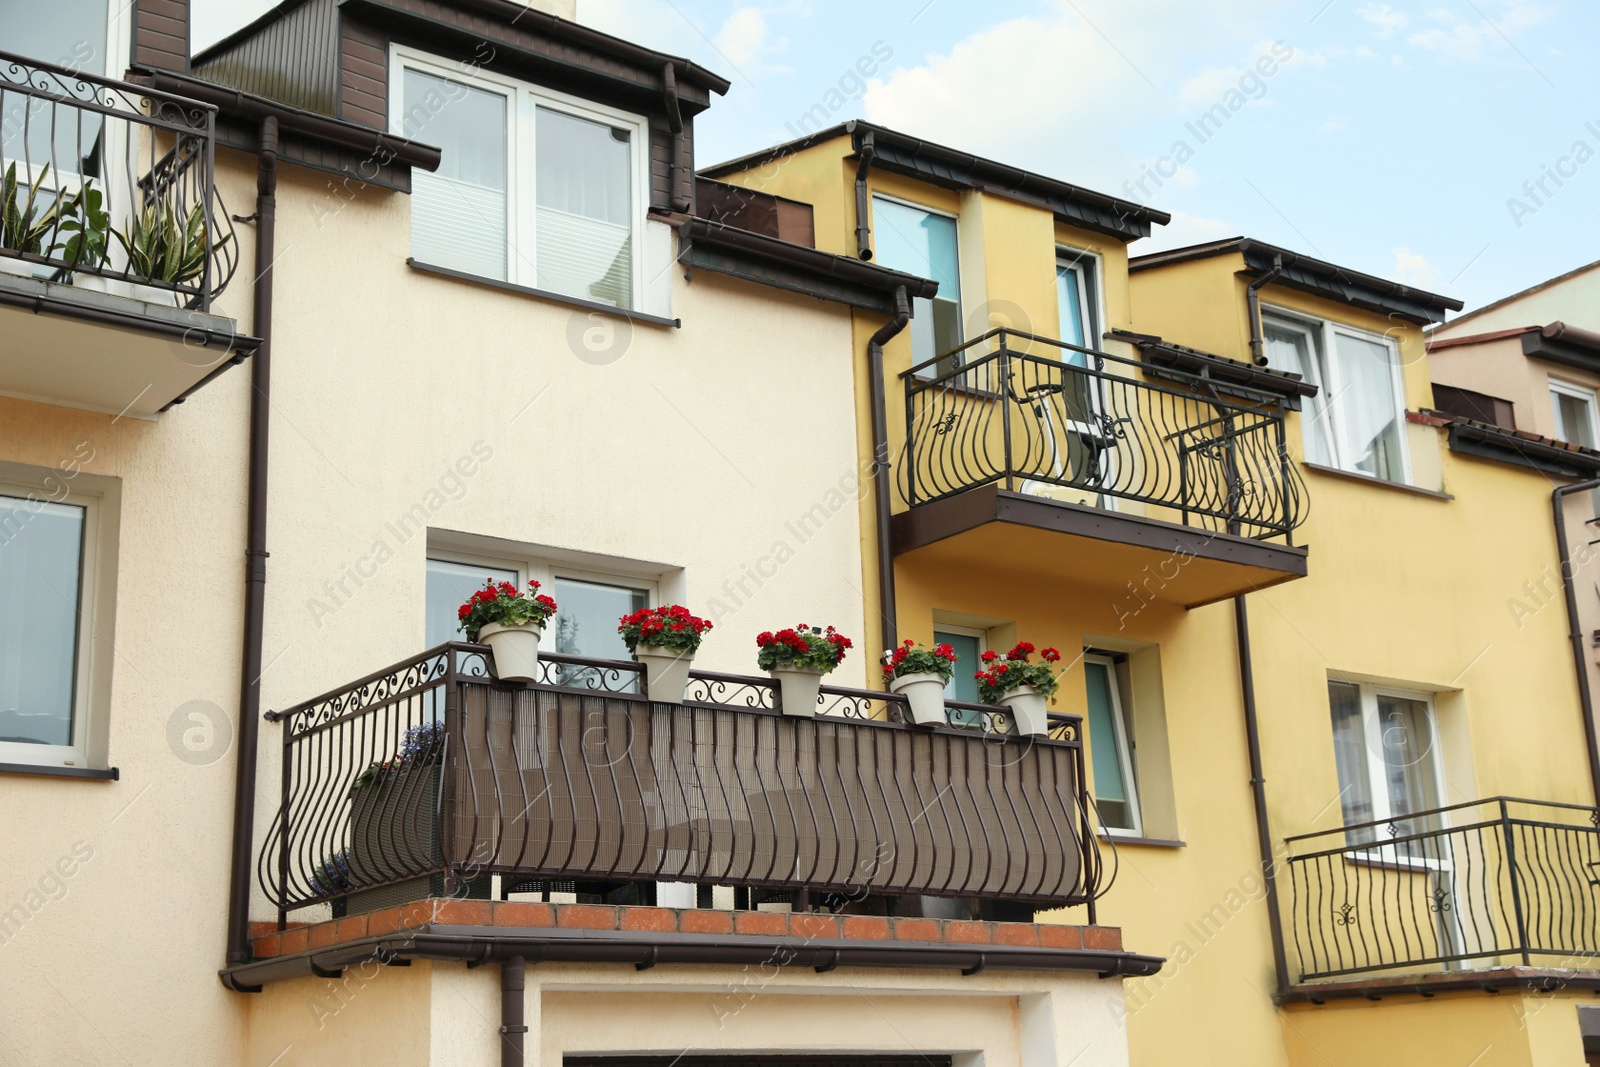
(1134,839)
(1370,480)
(544,294)
(110,774)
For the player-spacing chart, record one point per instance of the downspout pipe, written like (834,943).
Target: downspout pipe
(669,89)
(255,584)
(513,1024)
(1575,634)
(880,462)
(1258,792)
(866,153)
(1252,299)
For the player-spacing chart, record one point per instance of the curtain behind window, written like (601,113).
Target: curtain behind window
(585,195)
(458,212)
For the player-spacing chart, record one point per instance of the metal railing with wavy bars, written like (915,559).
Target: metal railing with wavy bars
(430,776)
(1044,417)
(1500,881)
(110,179)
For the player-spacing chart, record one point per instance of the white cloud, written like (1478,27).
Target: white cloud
(1412,268)
(1385,19)
(744,37)
(1466,40)
(1335,123)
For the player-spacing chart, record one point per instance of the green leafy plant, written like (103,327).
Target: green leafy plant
(165,248)
(90,231)
(1002,674)
(502,604)
(912,658)
(805,647)
(422,746)
(26,224)
(670,627)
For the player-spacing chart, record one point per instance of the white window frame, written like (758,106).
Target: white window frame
(1377,784)
(97,568)
(1086,259)
(523,101)
(1559,388)
(1324,357)
(1119,728)
(961,283)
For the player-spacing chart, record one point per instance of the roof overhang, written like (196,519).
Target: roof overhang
(1228,375)
(1556,458)
(951,169)
(1563,344)
(1317,277)
(707,245)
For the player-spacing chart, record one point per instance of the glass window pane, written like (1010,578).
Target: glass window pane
(585,217)
(458,213)
(586,624)
(962,685)
(1113,793)
(1350,756)
(1364,412)
(70,34)
(1574,422)
(922,243)
(1290,350)
(1069,301)
(1407,744)
(449,585)
(41,553)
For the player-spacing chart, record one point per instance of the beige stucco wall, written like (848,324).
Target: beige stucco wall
(1574,300)
(444,1010)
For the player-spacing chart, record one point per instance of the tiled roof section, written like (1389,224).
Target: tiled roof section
(1562,459)
(1223,369)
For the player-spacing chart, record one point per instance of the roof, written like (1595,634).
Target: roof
(1317,277)
(1546,284)
(1546,455)
(954,169)
(1223,370)
(1555,343)
(715,246)
(509,13)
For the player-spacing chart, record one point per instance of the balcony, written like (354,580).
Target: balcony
(114,244)
(431,778)
(1091,470)
(1448,893)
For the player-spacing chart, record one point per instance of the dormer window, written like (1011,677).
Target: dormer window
(534,187)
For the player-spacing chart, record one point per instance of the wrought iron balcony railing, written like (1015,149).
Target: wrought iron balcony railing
(430,776)
(1044,417)
(110,179)
(1493,882)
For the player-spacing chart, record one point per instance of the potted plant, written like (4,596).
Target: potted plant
(921,673)
(798,659)
(331,879)
(510,623)
(1021,685)
(664,639)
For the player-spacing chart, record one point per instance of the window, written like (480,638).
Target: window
(1356,420)
(1111,744)
(533,187)
(1078,300)
(586,624)
(1386,747)
(57,580)
(923,242)
(969,646)
(1575,415)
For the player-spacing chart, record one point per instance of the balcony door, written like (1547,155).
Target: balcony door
(1067,403)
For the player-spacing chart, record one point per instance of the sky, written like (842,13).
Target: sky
(1452,145)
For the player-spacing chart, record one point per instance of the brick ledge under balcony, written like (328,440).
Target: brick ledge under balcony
(477,930)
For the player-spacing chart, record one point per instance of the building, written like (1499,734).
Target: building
(483,319)
(1216,477)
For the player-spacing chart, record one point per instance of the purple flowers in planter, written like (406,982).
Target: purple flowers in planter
(421,746)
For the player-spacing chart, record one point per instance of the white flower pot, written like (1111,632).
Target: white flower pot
(798,690)
(1027,707)
(514,650)
(666,672)
(925,693)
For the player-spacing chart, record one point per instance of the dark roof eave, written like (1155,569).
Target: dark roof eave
(1316,276)
(836,270)
(554,945)
(1221,369)
(1563,344)
(899,152)
(347,135)
(1484,441)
